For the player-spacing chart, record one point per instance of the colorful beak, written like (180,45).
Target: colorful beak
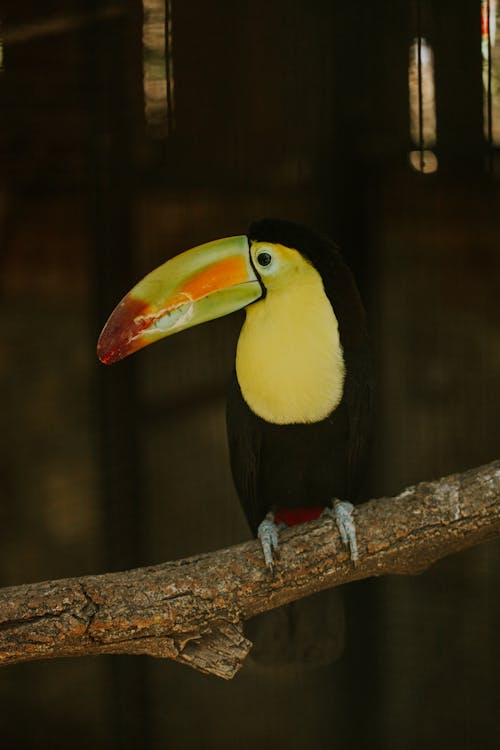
(201,284)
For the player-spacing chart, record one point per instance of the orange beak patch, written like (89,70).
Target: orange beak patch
(227,272)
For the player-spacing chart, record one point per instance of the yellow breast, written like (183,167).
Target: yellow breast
(289,360)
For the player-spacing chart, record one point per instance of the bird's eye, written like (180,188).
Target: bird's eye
(264,259)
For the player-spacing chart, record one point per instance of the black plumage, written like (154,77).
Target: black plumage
(306,465)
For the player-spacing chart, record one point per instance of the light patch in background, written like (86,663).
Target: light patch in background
(422,106)
(158,69)
(424,161)
(490,49)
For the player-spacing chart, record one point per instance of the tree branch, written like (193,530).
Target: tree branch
(192,610)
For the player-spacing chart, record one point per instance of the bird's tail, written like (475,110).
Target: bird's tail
(305,633)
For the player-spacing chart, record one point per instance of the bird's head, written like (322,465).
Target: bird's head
(209,281)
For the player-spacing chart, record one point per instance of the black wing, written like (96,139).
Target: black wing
(245,441)
(358,395)
(341,290)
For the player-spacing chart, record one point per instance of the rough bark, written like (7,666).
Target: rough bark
(192,610)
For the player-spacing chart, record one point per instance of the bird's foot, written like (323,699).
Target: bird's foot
(268,533)
(342,512)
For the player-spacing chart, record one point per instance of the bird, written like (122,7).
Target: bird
(300,400)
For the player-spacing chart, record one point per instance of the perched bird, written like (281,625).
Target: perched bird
(299,405)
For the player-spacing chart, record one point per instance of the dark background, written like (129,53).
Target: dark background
(291,108)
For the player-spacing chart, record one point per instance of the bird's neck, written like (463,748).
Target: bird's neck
(289,360)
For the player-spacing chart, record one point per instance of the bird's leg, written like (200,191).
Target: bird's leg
(268,533)
(342,512)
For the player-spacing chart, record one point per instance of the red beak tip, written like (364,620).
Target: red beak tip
(105,358)
(109,354)
(119,337)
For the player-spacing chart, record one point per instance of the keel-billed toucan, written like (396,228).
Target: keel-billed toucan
(299,403)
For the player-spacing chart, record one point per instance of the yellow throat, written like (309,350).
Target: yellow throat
(289,359)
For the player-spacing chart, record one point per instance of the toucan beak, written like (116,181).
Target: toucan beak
(200,284)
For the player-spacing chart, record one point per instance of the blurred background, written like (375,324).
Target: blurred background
(132,130)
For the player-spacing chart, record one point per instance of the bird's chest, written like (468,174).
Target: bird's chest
(289,361)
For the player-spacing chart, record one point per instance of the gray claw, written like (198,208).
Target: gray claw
(342,512)
(268,535)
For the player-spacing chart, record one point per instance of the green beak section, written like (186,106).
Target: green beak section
(201,284)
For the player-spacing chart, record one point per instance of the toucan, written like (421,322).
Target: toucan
(299,404)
